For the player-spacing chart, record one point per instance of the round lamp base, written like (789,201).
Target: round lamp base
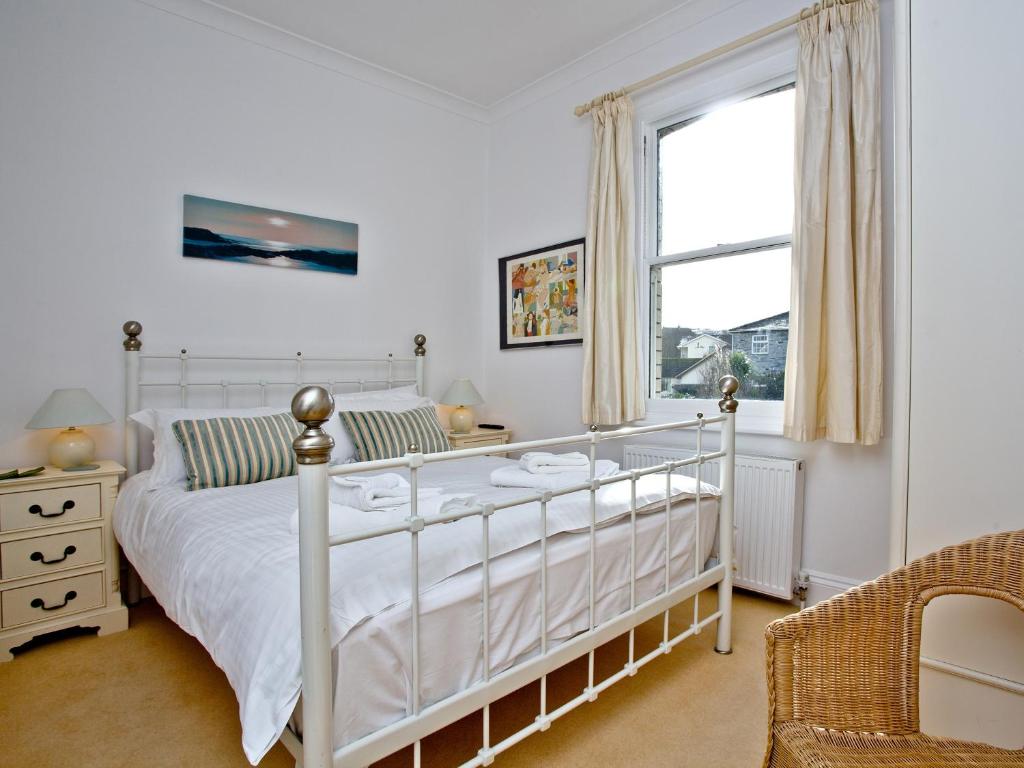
(72,449)
(461,420)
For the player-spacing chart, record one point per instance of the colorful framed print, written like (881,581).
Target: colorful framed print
(541,296)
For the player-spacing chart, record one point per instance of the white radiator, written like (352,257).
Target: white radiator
(769,514)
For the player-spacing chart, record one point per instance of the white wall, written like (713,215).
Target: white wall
(967,275)
(113,109)
(538,164)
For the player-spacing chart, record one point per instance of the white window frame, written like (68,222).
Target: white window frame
(760,338)
(774,71)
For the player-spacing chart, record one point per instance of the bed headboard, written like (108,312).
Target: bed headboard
(182,377)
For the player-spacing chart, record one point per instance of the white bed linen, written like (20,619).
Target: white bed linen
(223,564)
(372,664)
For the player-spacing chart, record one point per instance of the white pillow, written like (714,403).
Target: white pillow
(398,399)
(168,466)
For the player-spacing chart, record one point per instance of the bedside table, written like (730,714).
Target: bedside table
(477,438)
(58,558)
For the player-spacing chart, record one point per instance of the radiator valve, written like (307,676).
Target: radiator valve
(802,584)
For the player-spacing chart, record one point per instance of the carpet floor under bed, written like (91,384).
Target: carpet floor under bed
(152,697)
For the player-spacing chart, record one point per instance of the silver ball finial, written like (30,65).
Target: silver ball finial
(312,405)
(413,448)
(420,340)
(728,386)
(132,329)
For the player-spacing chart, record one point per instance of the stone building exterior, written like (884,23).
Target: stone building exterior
(764,342)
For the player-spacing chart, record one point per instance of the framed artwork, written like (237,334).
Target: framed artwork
(541,296)
(215,229)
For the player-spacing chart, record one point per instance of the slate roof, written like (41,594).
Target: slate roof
(775,322)
(677,366)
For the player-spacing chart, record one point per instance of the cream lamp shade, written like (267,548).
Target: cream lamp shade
(461,393)
(67,409)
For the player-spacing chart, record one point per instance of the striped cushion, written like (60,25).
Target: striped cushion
(235,450)
(387,434)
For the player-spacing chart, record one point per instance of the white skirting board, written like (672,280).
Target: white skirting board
(822,586)
(769,514)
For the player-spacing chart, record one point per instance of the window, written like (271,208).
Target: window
(718,255)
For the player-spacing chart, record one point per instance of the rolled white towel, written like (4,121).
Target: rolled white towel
(374,492)
(544,463)
(513,476)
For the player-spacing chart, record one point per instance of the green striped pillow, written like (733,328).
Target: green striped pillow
(388,434)
(235,450)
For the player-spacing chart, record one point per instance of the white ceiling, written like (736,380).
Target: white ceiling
(478,50)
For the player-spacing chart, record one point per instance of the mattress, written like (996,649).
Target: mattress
(223,564)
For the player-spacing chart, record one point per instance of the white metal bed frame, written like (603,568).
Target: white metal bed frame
(312,405)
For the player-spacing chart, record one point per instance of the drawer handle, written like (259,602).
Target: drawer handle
(35,509)
(38,602)
(38,557)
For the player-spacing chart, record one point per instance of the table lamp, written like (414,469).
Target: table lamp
(72,449)
(461,393)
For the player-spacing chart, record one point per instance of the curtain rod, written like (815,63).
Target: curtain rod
(721,50)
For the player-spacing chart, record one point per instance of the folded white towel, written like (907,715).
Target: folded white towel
(343,519)
(516,477)
(445,503)
(542,462)
(369,493)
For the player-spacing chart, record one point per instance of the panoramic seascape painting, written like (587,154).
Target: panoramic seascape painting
(214,229)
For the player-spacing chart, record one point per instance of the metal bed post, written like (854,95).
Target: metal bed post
(728,385)
(312,406)
(421,350)
(132,346)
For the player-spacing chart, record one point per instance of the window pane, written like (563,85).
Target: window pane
(719,316)
(727,177)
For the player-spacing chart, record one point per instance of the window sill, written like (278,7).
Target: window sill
(754,417)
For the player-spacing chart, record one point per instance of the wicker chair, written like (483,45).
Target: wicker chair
(843,675)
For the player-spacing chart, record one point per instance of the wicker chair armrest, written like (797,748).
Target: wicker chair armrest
(849,663)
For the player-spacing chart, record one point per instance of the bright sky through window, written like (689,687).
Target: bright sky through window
(727,177)
(727,292)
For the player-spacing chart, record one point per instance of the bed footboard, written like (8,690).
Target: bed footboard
(314,405)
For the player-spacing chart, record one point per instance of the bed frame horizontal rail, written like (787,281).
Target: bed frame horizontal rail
(417,523)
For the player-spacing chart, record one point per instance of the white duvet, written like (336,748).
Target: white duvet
(223,564)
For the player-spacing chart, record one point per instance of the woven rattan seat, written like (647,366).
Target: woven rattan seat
(843,675)
(801,745)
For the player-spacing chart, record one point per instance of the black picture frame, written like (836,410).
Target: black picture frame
(514,328)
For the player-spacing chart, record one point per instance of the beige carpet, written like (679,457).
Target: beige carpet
(152,697)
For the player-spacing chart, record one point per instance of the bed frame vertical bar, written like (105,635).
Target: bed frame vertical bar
(631,663)
(595,438)
(485,754)
(415,459)
(728,385)
(698,566)
(312,406)
(132,347)
(543,720)
(421,351)
(183,378)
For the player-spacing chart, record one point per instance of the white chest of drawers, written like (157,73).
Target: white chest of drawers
(58,558)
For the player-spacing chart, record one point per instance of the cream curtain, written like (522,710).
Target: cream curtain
(834,364)
(613,390)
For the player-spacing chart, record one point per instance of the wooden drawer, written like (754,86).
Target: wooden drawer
(50,599)
(479,442)
(45,554)
(53,506)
